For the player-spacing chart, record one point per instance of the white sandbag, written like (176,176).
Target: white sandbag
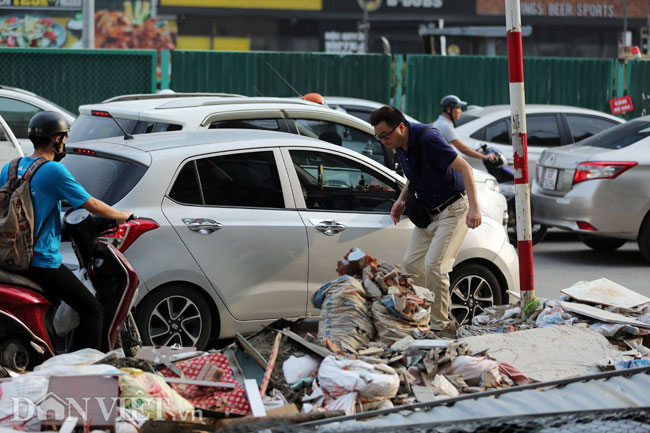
(338,377)
(345,317)
(346,402)
(18,395)
(80,357)
(295,368)
(471,368)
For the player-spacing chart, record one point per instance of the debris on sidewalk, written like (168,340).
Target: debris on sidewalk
(371,348)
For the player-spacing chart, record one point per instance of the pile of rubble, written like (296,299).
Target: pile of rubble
(371,349)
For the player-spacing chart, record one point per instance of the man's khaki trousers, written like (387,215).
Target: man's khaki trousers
(431,253)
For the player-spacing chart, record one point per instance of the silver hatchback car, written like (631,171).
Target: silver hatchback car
(247,225)
(599,187)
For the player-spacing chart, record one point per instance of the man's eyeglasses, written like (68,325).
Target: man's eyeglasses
(383,137)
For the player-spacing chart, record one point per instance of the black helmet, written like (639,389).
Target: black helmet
(451,101)
(46,124)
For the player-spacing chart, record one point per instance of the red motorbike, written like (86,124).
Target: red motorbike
(28,331)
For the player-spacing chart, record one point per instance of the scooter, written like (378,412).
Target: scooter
(506,178)
(29,330)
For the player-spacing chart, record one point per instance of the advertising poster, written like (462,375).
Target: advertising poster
(59,23)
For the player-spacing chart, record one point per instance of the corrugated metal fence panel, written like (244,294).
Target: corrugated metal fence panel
(639,87)
(479,80)
(586,83)
(75,77)
(483,80)
(252,73)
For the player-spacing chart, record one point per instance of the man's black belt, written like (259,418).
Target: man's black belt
(436,210)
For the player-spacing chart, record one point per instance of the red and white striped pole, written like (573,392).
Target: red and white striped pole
(519,145)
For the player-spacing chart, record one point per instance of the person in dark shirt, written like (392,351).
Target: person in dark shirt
(445,185)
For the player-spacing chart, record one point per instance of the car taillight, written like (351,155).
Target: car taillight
(100,113)
(584,225)
(600,170)
(127,233)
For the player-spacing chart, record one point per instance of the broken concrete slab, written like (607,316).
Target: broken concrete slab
(549,353)
(602,315)
(605,292)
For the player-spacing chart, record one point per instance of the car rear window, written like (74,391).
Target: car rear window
(464,118)
(107,179)
(88,127)
(619,136)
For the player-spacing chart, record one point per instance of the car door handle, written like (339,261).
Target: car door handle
(330,227)
(202,225)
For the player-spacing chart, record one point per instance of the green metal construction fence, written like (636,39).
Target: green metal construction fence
(282,74)
(483,80)
(638,85)
(75,77)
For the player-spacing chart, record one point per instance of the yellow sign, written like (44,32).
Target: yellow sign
(453,50)
(312,5)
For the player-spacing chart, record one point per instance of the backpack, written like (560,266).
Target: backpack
(17,218)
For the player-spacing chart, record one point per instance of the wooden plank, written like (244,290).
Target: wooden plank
(319,350)
(248,348)
(254,398)
(200,382)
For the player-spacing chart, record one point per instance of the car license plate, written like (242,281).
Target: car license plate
(550,178)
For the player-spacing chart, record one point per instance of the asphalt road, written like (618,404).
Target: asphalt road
(561,260)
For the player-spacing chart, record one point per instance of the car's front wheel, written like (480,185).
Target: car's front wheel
(599,243)
(473,288)
(174,314)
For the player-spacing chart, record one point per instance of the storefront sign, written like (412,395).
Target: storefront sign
(568,8)
(344,42)
(308,5)
(41,4)
(621,105)
(586,10)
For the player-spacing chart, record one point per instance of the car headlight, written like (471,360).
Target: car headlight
(492,184)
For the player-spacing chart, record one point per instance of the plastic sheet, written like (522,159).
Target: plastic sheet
(298,368)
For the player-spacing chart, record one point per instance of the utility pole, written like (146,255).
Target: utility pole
(520,149)
(88,31)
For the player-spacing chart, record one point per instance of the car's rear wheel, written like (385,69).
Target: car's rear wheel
(473,288)
(598,243)
(174,314)
(644,238)
(538,230)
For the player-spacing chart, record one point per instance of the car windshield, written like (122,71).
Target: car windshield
(619,136)
(464,118)
(109,180)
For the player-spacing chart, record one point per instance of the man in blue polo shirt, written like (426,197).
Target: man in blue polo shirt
(52,183)
(445,185)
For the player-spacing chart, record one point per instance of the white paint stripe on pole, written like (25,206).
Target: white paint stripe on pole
(524,231)
(518,121)
(513,16)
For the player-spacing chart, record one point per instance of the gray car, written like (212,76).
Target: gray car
(247,225)
(599,187)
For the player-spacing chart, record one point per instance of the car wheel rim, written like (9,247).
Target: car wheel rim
(175,320)
(469,297)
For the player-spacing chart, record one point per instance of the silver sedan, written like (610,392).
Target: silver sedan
(599,187)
